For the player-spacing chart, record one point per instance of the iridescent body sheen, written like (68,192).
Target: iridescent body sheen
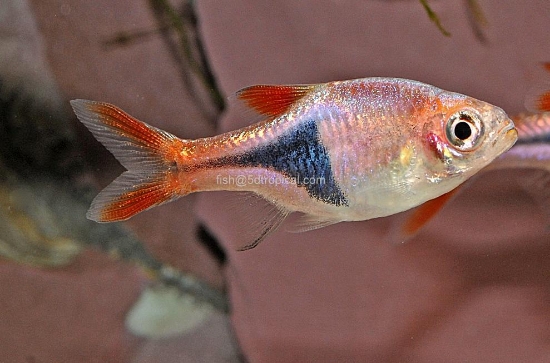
(339,151)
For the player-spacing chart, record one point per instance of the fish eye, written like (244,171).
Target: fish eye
(464,130)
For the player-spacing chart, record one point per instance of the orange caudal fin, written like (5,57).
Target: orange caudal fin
(147,153)
(271,100)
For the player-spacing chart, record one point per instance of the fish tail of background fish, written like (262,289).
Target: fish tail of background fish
(146,152)
(533,127)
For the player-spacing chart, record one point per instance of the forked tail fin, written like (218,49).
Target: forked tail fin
(146,152)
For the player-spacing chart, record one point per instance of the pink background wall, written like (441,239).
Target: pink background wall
(473,286)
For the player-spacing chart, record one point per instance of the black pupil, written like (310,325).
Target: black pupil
(463,130)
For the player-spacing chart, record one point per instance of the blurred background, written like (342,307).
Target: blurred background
(169,285)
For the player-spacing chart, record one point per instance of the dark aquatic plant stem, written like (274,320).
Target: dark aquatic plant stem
(180,33)
(477,19)
(434,18)
(190,52)
(475,16)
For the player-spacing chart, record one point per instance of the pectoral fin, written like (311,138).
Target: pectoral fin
(408,224)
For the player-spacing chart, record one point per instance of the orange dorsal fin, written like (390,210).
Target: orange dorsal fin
(543,102)
(544,99)
(271,100)
(538,98)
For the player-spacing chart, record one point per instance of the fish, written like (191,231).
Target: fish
(339,151)
(532,149)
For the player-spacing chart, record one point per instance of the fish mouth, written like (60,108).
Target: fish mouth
(510,135)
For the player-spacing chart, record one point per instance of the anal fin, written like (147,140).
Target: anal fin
(257,218)
(308,222)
